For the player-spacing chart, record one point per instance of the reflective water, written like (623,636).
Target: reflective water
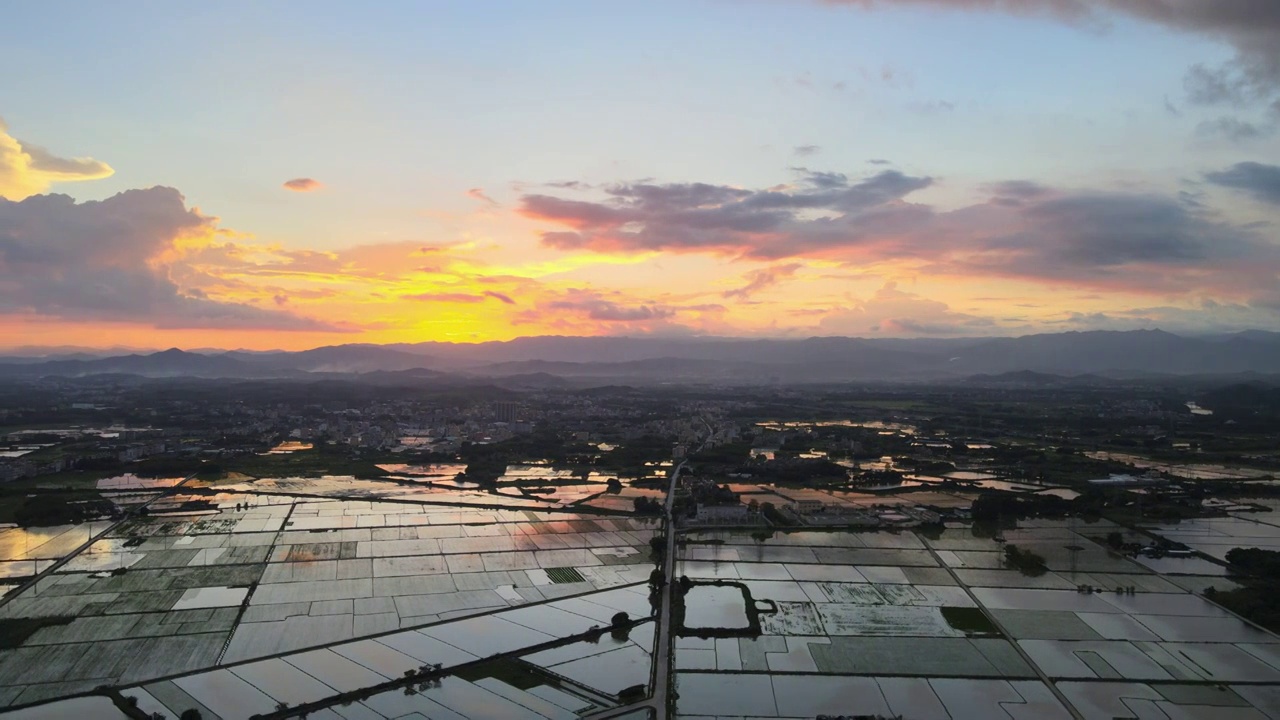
(133,482)
(715,607)
(290,446)
(210,597)
(610,672)
(49,542)
(869,424)
(447,470)
(967,475)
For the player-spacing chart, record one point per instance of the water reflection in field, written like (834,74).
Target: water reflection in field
(718,607)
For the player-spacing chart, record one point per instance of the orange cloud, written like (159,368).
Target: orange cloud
(27,169)
(457,297)
(303,184)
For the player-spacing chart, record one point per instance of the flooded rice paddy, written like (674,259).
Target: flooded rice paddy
(345,598)
(900,624)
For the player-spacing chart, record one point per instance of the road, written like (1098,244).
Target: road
(658,701)
(662,648)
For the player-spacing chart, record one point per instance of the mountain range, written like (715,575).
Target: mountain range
(645,360)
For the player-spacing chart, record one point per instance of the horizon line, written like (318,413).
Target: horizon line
(33,351)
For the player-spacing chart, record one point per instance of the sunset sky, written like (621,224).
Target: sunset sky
(287,175)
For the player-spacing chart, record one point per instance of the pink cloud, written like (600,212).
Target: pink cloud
(303,184)
(479,194)
(1118,240)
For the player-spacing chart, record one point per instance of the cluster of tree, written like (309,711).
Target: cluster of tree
(775,516)
(61,509)
(15,631)
(992,505)
(1256,562)
(107,463)
(1243,400)
(800,471)
(647,506)
(1259,597)
(629,458)
(927,467)
(168,466)
(486,462)
(658,548)
(878,477)
(728,454)
(485,469)
(1025,561)
(715,495)
(793,445)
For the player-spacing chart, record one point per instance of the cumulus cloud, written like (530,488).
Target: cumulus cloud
(596,307)
(303,184)
(1258,180)
(890,311)
(1205,317)
(806,150)
(1143,242)
(27,169)
(106,261)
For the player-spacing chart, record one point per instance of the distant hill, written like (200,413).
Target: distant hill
(359,358)
(1075,358)
(1106,353)
(1030,378)
(167,363)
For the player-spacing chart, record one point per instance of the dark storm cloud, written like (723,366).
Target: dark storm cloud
(1066,235)
(105,261)
(1260,181)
